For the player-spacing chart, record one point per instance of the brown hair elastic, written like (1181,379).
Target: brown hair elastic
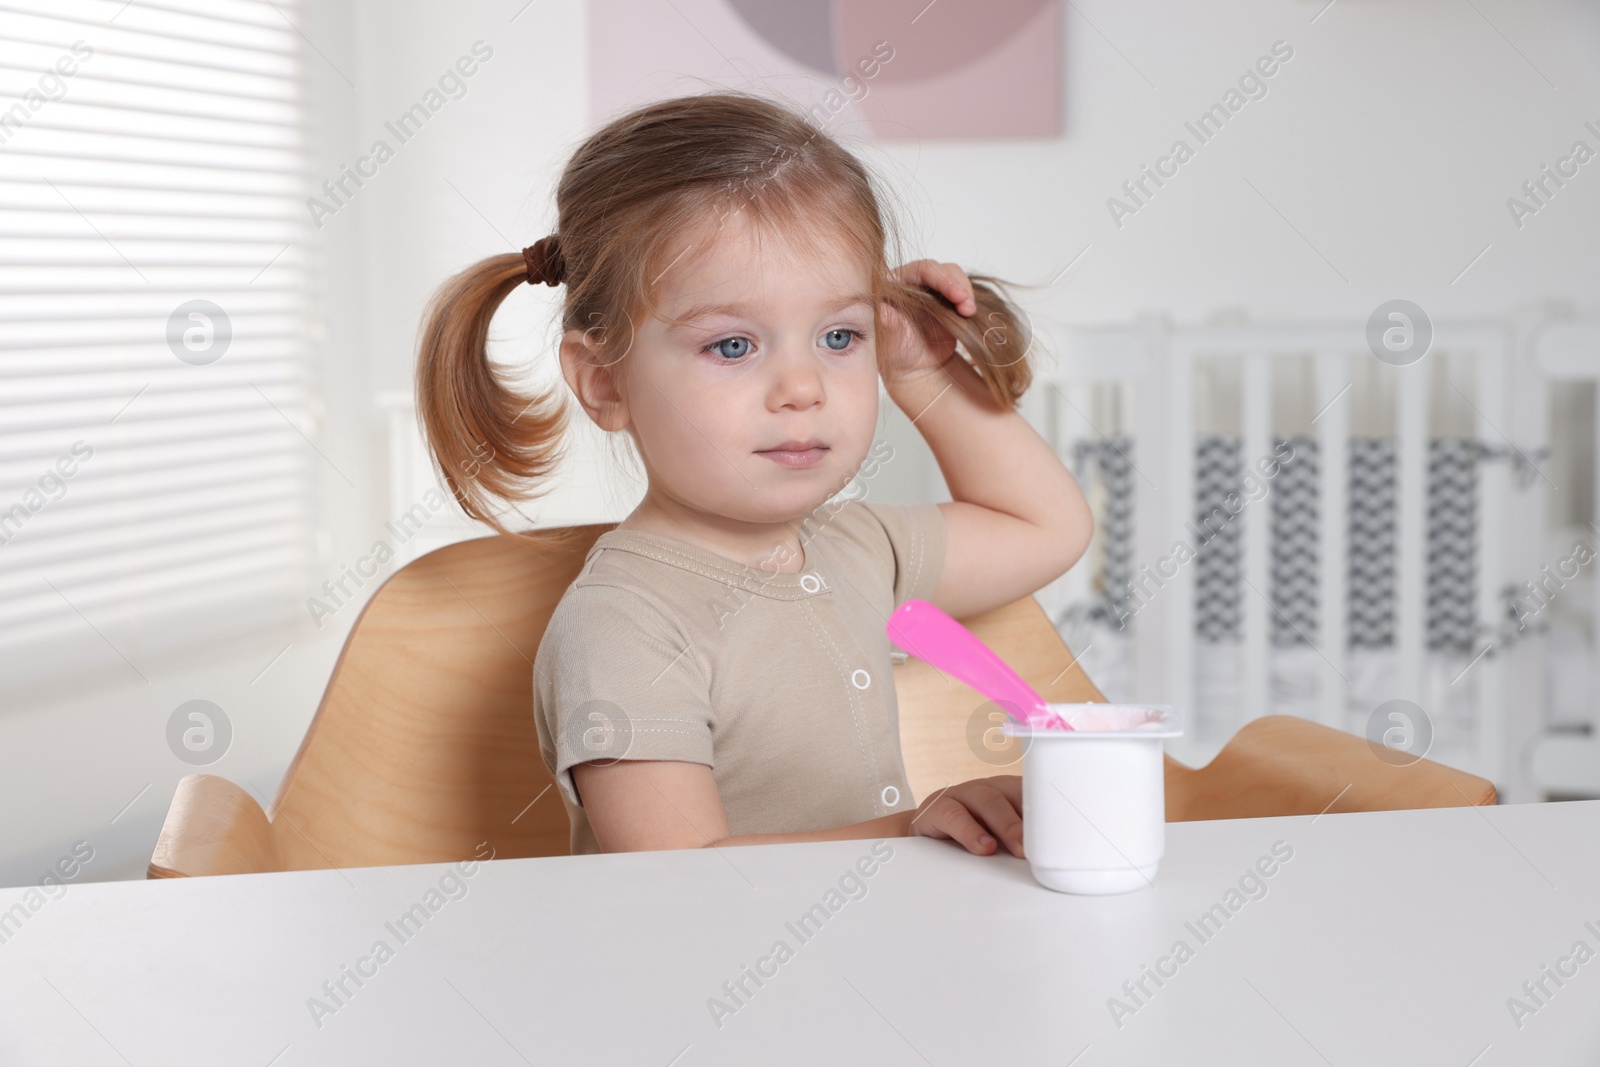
(544,261)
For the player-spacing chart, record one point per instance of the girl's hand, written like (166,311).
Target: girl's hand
(946,279)
(910,350)
(975,814)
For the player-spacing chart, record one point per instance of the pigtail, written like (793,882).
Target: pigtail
(996,340)
(487,441)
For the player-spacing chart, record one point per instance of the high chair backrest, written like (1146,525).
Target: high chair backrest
(424,746)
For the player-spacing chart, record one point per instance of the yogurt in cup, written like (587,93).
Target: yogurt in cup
(1094,797)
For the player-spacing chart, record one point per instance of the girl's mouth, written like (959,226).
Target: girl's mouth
(797,458)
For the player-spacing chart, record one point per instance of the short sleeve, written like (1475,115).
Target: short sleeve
(916,534)
(615,678)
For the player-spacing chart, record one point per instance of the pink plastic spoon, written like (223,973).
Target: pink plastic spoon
(934,637)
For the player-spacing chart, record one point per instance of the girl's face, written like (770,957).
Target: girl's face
(759,344)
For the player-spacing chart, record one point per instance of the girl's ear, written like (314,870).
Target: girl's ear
(592,382)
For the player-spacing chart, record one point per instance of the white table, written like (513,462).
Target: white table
(1388,938)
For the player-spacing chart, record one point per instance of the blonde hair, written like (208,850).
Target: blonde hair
(627,195)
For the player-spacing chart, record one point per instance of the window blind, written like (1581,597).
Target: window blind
(157,465)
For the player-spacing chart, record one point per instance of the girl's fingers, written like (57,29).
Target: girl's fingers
(978,814)
(946,278)
(951,280)
(959,291)
(997,812)
(917,272)
(1009,785)
(951,818)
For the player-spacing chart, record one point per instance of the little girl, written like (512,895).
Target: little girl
(719,671)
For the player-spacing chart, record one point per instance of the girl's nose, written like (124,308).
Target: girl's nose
(797,381)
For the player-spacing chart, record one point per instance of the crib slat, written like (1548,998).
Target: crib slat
(1493,502)
(1151,439)
(1333,520)
(1411,533)
(1258,612)
(1178,371)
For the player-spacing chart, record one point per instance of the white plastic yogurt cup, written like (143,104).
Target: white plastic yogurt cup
(1094,797)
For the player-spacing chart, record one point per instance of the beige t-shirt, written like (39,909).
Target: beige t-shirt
(780,683)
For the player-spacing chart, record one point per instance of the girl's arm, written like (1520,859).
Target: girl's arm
(1017,520)
(635,805)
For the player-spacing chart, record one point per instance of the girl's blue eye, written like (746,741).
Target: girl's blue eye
(844,335)
(732,349)
(740,349)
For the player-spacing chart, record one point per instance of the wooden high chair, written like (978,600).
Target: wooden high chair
(424,744)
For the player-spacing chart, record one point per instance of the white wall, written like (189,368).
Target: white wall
(1390,142)
(1383,152)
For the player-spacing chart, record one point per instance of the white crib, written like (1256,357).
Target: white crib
(1490,380)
